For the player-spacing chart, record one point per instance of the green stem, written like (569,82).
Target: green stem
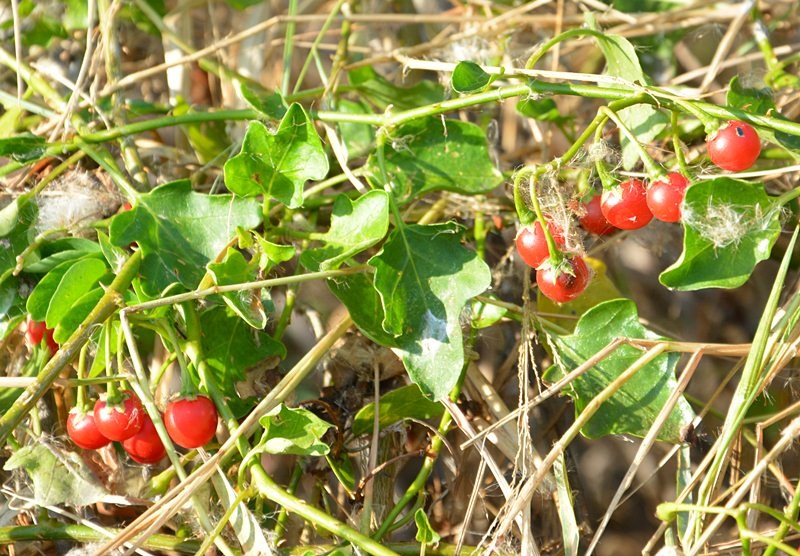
(288,47)
(81,401)
(676,143)
(245,494)
(105,307)
(188,389)
(267,488)
(84,534)
(283,515)
(556,257)
(536,56)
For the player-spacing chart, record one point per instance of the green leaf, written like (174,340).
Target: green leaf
(729,227)
(208,139)
(357,138)
(99,362)
(406,402)
(59,477)
(642,119)
(425,533)
(431,154)
(342,467)
(485,315)
(231,347)
(272,254)
(23,148)
(760,101)
(79,278)
(270,103)
(278,165)
(234,269)
(425,277)
(363,302)
(16,233)
(543,110)
(469,77)
(53,253)
(355,226)
(751,99)
(381,93)
(635,406)
(180,231)
(76,314)
(39,300)
(294,431)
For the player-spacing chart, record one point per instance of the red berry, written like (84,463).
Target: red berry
(593,220)
(734,147)
(145,446)
(664,196)
(35,331)
(191,423)
(565,282)
(126,206)
(122,421)
(51,343)
(82,430)
(532,245)
(625,206)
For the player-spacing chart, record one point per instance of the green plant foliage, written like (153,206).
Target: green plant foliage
(76,314)
(278,165)
(294,431)
(642,119)
(23,148)
(234,269)
(53,253)
(355,226)
(270,103)
(379,92)
(208,139)
(406,402)
(358,138)
(426,534)
(432,154)
(363,302)
(469,77)
(79,278)
(544,110)
(180,231)
(425,277)
(635,406)
(729,227)
(231,347)
(58,476)
(16,233)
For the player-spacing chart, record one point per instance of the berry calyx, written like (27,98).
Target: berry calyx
(532,244)
(564,282)
(664,196)
(119,421)
(191,423)
(734,147)
(145,446)
(593,220)
(625,206)
(82,430)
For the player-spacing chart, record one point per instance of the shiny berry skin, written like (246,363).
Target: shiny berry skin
(564,283)
(145,446)
(82,430)
(191,423)
(734,147)
(120,421)
(38,331)
(593,220)
(532,245)
(625,206)
(35,331)
(664,196)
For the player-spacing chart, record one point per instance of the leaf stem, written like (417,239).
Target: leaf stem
(654,170)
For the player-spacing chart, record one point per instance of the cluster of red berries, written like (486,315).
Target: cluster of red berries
(190,423)
(629,206)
